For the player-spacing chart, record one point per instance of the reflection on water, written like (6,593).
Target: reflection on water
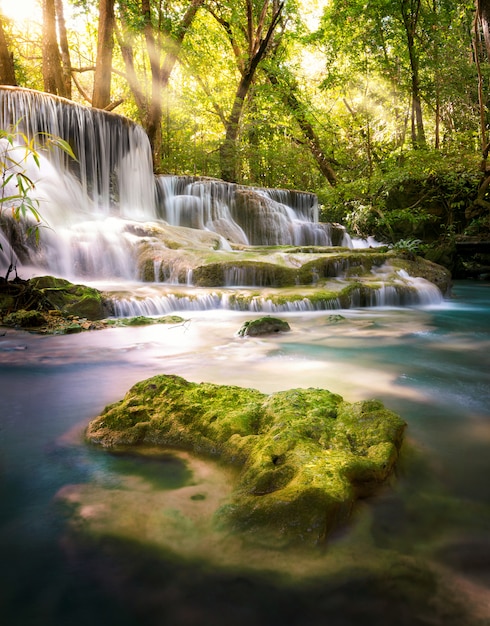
(92,538)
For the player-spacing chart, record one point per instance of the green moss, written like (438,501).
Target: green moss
(251,272)
(24,319)
(263,326)
(78,300)
(143,320)
(304,455)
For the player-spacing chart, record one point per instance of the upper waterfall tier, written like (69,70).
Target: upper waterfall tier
(113,171)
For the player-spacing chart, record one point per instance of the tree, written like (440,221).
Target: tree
(7,69)
(54,76)
(288,88)
(164,32)
(64,49)
(250,29)
(482,27)
(420,47)
(101,96)
(410,11)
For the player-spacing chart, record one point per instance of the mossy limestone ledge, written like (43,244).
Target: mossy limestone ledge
(304,455)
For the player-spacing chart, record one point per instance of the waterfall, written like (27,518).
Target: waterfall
(246,215)
(111,178)
(113,170)
(109,218)
(89,204)
(407,293)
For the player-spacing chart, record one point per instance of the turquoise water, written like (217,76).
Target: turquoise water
(81,541)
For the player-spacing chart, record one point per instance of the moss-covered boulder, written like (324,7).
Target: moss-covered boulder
(47,304)
(303,456)
(263,326)
(71,299)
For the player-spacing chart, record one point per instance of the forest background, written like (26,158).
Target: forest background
(377,106)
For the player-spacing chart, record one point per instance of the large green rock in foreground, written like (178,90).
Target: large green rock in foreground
(303,456)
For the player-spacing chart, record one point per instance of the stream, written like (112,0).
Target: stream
(91,538)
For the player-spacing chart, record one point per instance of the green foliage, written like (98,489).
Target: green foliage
(478,225)
(421,198)
(411,246)
(17,188)
(353,76)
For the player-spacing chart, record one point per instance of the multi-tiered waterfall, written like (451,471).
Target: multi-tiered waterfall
(109,218)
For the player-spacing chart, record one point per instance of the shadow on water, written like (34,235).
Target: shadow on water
(158,469)
(121,582)
(386,569)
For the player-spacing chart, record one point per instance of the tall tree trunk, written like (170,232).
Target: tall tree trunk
(481,97)
(258,47)
(229,161)
(410,14)
(418,132)
(101,96)
(51,59)
(483,13)
(64,49)
(7,69)
(298,110)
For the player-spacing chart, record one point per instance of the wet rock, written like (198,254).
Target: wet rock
(71,299)
(303,456)
(263,326)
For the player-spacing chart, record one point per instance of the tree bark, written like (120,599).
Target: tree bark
(258,47)
(64,49)
(51,59)
(228,150)
(410,14)
(483,12)
(7,69)
(101,96)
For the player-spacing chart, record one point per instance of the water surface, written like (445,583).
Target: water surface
(88,537)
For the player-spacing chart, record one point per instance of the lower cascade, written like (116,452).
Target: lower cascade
(200,243)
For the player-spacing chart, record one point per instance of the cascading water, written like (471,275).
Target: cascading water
(111,219)
(84,202)
(251,216)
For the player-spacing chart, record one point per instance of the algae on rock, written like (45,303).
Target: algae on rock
(303,456)
(263,326)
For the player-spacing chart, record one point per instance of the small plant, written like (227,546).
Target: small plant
(409,246)
(17,187)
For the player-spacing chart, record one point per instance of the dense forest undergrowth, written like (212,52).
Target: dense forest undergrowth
(429,205)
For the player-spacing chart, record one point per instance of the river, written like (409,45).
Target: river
(92,538)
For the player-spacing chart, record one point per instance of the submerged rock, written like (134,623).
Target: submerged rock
(263,326)
(303,456)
